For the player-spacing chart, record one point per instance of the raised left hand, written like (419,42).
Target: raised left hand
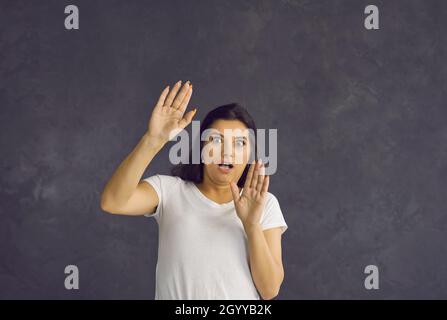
(250,204)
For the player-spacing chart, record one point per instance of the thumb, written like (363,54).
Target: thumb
(234,191)
(187,118)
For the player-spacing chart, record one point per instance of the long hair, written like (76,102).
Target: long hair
(233,111)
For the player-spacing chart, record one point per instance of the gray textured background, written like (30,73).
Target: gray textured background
(360,116)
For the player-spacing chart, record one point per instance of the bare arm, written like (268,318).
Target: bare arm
(124,193)
(264,247)
(265,260)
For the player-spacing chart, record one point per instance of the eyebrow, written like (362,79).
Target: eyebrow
(220,134)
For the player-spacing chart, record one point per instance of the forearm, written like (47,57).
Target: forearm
(126,177)
(267,274)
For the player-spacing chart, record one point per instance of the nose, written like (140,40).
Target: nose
(227,150)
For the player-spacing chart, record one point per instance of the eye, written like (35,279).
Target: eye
(216,139)
(240,143)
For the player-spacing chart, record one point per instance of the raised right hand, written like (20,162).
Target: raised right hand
(168,118)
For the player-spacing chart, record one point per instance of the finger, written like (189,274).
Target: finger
(234,191)
(185,101)
(261,177)
(179,98)
(249,176)
(172,94)
(254,180)
(187,118)
(161,99)
(265,185)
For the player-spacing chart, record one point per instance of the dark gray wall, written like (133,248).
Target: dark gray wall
(360,117)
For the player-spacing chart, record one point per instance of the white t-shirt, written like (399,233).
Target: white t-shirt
(202,248)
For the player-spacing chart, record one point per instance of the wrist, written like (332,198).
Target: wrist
(251,227)
(153,142)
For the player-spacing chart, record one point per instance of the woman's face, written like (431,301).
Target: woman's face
(226,151)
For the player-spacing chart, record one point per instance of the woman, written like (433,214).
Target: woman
(219,228)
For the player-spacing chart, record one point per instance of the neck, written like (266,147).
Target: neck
(220,193)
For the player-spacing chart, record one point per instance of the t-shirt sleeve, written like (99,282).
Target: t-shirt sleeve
(156,182)
(272,216)
(164,186)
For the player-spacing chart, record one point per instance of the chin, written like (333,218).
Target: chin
(224,179)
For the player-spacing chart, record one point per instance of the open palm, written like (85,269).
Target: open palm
(250,204)
(168,118)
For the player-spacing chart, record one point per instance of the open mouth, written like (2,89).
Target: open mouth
(226,165)
(225,168)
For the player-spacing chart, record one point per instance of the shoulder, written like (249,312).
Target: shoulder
(271,199)
(169,179)
(271,204)
(168,182)
(164,182)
